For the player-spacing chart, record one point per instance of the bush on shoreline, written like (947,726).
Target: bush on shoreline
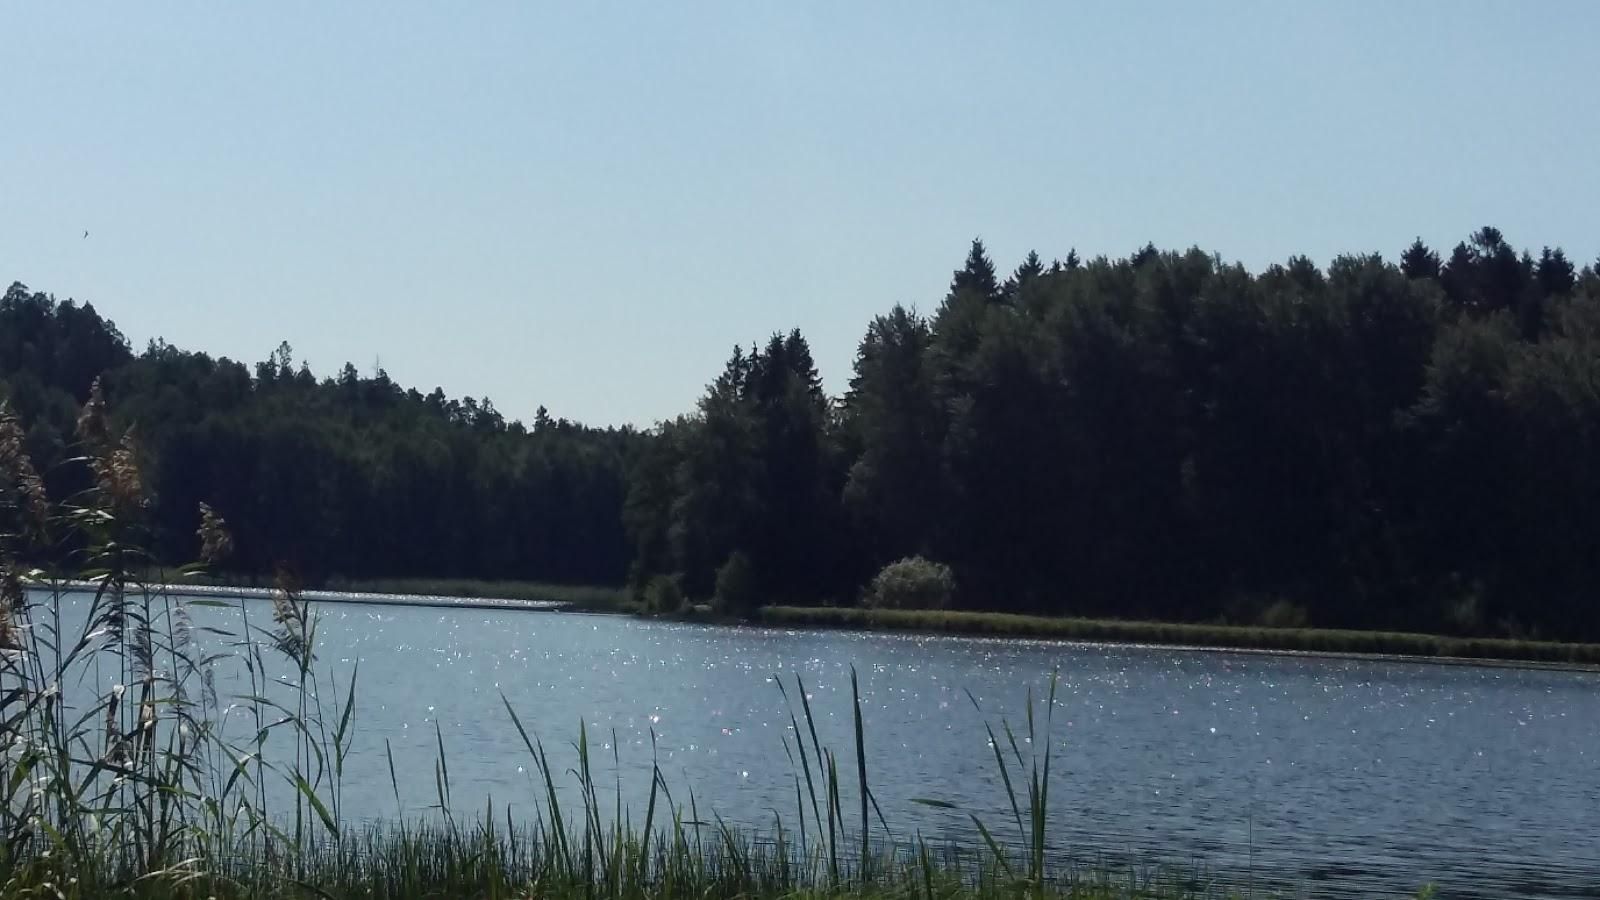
(663,596)
(910,583)
(736,592)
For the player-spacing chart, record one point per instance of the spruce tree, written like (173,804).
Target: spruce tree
(1419,262)
(1458,277)
(1555,273)
(1031,268)
(977,276)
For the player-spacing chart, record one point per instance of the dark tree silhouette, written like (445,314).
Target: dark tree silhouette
(1369,444)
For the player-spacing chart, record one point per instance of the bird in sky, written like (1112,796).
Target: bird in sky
(86,234)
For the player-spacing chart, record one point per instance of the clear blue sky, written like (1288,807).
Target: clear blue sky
(587,204)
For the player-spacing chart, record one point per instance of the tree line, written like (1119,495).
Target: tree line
(1166,435)
(1407,444)
(347,475)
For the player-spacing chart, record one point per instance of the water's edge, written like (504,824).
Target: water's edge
(508,603)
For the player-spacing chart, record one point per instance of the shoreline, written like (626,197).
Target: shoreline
(1338,643)
(367,598)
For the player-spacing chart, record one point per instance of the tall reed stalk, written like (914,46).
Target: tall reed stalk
(117,766)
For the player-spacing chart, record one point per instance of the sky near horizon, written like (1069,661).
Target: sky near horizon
(587,205)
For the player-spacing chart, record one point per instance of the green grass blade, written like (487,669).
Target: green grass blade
(994,847)
(316,804)
(861,769)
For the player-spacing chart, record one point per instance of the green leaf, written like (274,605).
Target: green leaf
(994,847)
(316,804)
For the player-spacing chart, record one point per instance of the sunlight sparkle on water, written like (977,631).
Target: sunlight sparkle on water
(1281,779)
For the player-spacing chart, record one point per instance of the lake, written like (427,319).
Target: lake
(1314,773)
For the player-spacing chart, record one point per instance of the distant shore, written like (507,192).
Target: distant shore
(587,597)
(533,595)
(1237,637)
(441,592)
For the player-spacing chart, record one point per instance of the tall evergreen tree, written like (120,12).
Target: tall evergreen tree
(1026,273)
(893,492)
(1555,273)
(1419,262)
(977,276)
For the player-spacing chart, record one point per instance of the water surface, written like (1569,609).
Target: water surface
(1345,776)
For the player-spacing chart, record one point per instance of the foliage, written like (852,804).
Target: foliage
(1167,431)
(1371,441)
(911,583)
(1284,614)
(119,766)
(663,595)
(135,787)
(352,476)
(754,470)
(736,592)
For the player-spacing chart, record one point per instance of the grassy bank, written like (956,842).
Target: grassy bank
(585,596)
(1316,640)
(495,862)
(596,598)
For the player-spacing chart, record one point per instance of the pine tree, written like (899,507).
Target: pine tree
(1419,262)
(1304,273)
(1502,275)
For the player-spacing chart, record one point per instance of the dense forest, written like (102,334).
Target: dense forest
(1375,444)
(347,475)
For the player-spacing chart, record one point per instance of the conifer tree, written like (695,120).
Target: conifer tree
(977,276)
(1555,273)
(1031,268)
(1419,262)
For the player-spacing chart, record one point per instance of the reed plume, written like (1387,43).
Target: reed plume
(216,543)
(21,481)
